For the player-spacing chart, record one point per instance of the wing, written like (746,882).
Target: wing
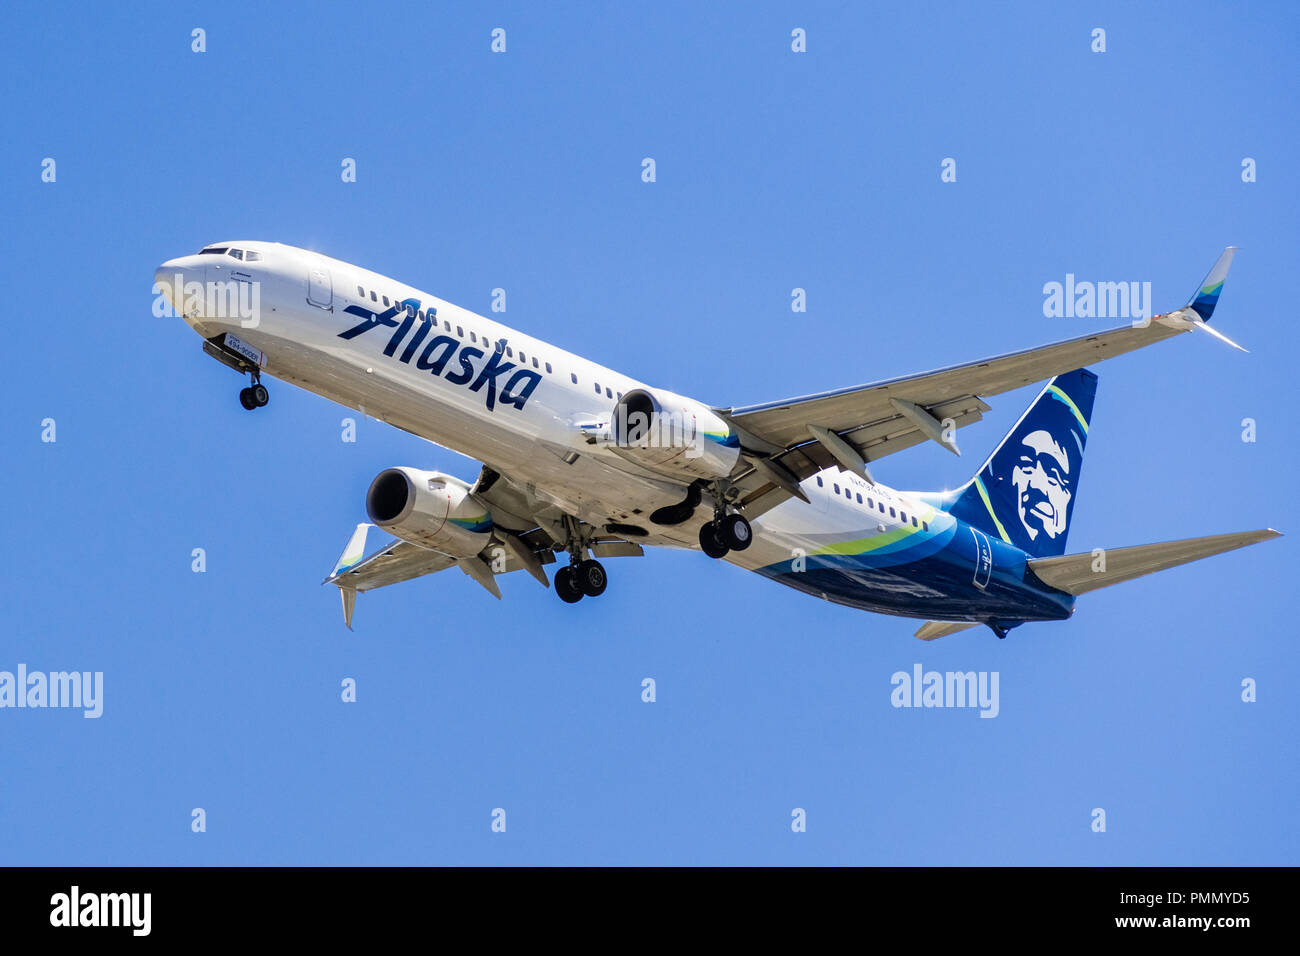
(790,440)
(398,561)
(510,550)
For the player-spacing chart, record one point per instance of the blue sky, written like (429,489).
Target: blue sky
(521,170)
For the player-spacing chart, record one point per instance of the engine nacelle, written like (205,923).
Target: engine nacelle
(673,434)
(430,509)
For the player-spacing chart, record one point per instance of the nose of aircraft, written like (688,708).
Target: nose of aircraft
(172,277)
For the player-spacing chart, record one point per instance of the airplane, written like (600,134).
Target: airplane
(584,462)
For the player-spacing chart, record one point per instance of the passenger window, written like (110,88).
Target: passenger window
(836,486)
(870,503)
(819,482)
(882,507)
(471,336)
(548,366)
(574,376)
(535,365)
(609,392)
(385,300)
(859,499)
(522,359)
(913,521)
(891,513)
(446,326)
(925,526)
(361,292)
(373,296)
(510,353)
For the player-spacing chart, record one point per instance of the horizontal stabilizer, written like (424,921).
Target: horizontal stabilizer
(935,629)
(1080,573)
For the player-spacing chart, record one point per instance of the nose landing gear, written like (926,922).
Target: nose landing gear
(256,395)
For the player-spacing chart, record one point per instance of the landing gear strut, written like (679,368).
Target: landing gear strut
(256,395)
(726,532)
(581,576)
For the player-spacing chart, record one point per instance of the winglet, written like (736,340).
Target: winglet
(352,554)
(1196,313)
(1207,296)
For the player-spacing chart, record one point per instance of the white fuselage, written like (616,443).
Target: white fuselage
(304,298)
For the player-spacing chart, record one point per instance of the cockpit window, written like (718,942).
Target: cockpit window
(251,256)
(237,253)
(213,251)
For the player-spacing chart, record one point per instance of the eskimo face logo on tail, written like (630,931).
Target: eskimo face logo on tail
(1033,478)
(1044,485)
(439,351)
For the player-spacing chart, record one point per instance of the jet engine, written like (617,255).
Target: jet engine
(430,509)
(673,435)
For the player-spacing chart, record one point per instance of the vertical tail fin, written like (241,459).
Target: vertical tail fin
(1024,494)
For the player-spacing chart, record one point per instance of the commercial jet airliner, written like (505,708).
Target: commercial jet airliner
(583,462)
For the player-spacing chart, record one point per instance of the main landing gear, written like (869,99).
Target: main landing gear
(574,581)
(256,395)
(726,532)
(581,576)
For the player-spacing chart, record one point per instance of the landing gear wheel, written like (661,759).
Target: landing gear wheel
(591,578)
(246,398)
(259,395)
(711,542)
(734,532)
(566,585)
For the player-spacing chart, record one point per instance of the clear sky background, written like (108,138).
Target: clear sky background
(522,170)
